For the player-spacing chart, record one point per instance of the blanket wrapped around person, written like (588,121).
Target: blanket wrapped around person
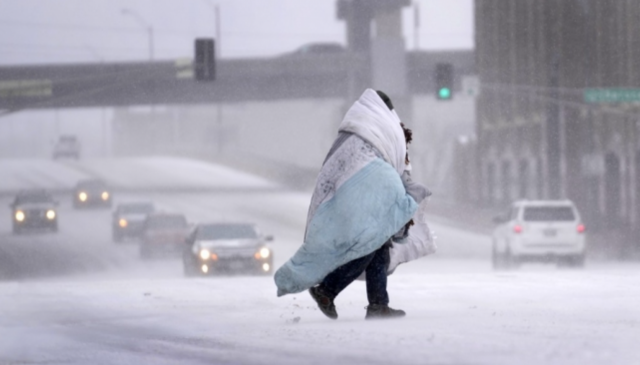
(359,201)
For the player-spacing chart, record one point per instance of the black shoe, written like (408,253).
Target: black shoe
(379,311)
(325,302)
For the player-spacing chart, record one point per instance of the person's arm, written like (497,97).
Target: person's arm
(417,191)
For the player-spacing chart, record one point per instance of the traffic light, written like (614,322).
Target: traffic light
(444,81)
(204,60)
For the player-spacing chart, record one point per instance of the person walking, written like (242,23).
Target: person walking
(363,197)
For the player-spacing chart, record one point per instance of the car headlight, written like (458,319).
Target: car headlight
(205,254)
(122,222)
(105,195)
(266,267)
(19,216)
(264,253)
(82,196)
(51,214)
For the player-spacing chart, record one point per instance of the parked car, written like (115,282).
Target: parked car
(67,146)
(163,234)
(34,209)
(92,193)
(128,219)
(543,230)
(227,247)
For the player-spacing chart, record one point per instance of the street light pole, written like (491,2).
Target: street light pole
(145,25)
(216,15)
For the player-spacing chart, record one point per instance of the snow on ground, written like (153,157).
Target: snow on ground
(170,173)
(529,317)
(112,308)
(144,173)
(24,174)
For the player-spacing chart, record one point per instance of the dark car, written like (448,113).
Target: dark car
(92,193)
(227,248)
(128,219)
(34,209)
(163,234)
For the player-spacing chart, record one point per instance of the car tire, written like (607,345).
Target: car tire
(497,258)
(576,261)
(513,262)
(503,261)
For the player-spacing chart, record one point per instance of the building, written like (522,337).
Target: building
(549,124)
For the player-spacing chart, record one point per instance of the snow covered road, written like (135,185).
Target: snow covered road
(77,298)
(144,173)
(465,317)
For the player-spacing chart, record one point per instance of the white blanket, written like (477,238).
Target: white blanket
(419,243)
(370,118)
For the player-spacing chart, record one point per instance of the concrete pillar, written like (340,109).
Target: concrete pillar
(388,54)
(377,62)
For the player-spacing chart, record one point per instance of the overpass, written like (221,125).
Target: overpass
(171,82)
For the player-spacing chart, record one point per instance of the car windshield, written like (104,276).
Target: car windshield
(546,214)
(227,232)
(92,185)
(33,198)
(136,208)
(166,222)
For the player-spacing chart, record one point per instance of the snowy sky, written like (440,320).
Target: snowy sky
(40,31)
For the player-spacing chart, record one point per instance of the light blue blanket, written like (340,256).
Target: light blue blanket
(364,212)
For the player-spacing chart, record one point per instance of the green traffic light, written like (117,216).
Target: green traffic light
(444,93)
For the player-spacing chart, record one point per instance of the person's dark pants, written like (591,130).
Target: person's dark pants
(374,264)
